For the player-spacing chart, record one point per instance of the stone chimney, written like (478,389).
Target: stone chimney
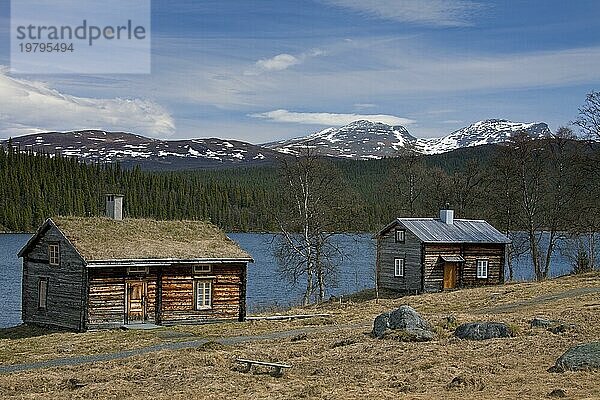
(447,216)
(114,206)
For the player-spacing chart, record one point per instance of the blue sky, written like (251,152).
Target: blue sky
(266,70)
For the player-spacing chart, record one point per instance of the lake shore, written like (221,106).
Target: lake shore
(332,357)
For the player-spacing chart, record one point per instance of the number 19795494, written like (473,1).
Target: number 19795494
(33,47)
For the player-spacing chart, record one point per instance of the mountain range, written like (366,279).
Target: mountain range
(365,140)
(357,140)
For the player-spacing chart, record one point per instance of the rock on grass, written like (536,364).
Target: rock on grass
(581,357)
(483,330)
(405,322)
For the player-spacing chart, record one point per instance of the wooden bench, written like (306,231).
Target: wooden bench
(277,367)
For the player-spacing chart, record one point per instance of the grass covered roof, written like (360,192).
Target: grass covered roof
(107,239)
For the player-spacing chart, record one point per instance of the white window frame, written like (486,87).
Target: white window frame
(482,268)
(202,269)
(43,294)
(203,288)
(398,232)
(54,254)
(399,267)
(137,270)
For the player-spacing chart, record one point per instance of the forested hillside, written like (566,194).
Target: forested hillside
(479,182)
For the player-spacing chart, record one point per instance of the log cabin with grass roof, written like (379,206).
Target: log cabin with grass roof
(416,255)
(108,272)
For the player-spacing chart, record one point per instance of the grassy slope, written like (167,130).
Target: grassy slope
(337,361)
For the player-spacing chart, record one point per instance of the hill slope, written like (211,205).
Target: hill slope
(130,149)
(333,357)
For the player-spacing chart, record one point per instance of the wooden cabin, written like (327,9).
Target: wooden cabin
(416,255)
(93,273)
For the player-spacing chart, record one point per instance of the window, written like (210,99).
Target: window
(399,235)
(399,267)
(42,293)
(54,254)
(482,268)
(203,295)
(137,270)
(202,269)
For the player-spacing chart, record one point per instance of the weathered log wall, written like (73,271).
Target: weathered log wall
(170,294)
(107,295)
(65,300)
(467,271)
(388,250)
(228,286)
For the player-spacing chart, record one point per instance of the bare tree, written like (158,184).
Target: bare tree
(544,174)
(504,195)
(313,190)
(467,185)
(589,115)
(408,179)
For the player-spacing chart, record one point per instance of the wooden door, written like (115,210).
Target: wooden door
(136,301)
(450,272)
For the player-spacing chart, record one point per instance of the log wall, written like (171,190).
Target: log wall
(388,250)
(107,297)
(228,294)
(467,271)
(170,295)
(65,301)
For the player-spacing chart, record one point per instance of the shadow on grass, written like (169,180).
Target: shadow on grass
(24,331)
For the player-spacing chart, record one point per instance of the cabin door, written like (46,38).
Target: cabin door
(450,273)
(136,301)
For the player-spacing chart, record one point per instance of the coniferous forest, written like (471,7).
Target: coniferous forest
(487,182)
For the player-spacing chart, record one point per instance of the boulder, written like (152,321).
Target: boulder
(561,328)
(482,330)
(405,317)
(581,357)
(541,322)
(407,324)
(381,324)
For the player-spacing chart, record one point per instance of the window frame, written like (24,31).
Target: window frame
(484,273)
(197,284)
(396,232)
(201,269)
(402,262)
(42,301)
(137,270)
(54,255)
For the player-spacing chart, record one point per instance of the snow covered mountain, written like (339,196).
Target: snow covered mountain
(365,140)
(357,140)
(131,149)
(490,131)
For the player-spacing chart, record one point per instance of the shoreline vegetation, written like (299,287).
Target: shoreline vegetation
(332,357)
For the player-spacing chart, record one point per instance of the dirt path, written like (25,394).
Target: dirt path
(78,360)
(506,308)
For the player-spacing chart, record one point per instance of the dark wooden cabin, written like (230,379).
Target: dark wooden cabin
(93,273)
(416,255)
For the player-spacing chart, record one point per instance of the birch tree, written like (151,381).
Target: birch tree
(313,192)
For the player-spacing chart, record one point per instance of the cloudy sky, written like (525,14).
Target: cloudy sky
(265,70)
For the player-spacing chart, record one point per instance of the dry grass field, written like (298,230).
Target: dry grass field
(332,358)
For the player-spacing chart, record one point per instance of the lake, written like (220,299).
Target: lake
(266,288)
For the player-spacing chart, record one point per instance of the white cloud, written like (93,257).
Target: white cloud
(282,62)
(329,119)
(278,63)
(362,106)
(425,12)
(30,106)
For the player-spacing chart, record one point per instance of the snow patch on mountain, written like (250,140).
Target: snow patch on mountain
(368,140)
